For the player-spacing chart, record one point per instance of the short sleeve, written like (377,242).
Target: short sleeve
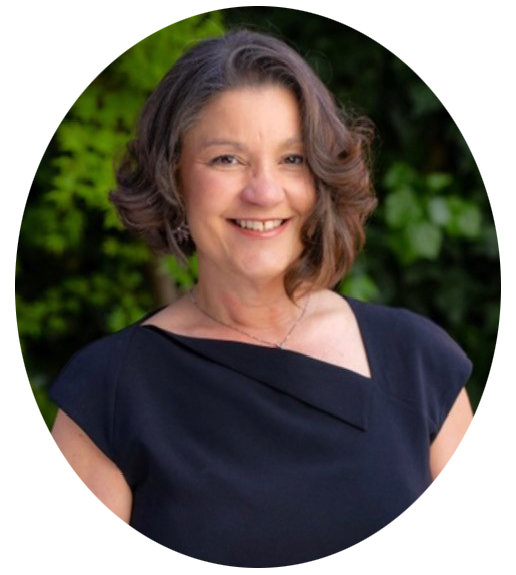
(443,369)
(86,390)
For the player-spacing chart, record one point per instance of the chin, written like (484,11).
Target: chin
(264,271)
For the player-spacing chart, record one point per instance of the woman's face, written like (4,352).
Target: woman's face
(246,184)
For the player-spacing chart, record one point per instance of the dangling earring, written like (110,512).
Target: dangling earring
(182,233)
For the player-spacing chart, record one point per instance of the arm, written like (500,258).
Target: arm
(95,469)
(451,434)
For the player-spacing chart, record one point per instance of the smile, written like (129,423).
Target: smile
(259,225)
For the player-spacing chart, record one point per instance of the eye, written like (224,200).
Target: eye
(295,160)
(224,160)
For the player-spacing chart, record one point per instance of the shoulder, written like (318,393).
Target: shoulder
(87,388)
(417,361)
(416,357)
(101,353)
(91,375)
(402,328)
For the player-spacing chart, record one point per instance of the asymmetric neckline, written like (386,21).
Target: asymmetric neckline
(206,342)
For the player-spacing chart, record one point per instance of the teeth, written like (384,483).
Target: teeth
(259,226)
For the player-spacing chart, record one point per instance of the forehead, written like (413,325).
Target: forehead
(264,112)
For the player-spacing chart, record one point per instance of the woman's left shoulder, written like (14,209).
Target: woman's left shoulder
(418,360)
(407,343)
(401,326)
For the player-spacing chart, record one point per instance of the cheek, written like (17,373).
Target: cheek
(200,192)
(309,197)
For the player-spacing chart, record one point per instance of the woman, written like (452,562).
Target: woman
(262,419)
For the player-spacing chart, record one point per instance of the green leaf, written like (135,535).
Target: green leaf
(469,221)
(466,218)
(437,182)
(360,286)
(400,174)
(424,239)
(439,211)
(402,207)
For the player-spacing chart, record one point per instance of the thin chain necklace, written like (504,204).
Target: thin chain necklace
(280,345)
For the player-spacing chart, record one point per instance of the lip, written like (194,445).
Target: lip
(257,234)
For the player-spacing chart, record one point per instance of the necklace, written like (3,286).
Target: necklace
(279,345)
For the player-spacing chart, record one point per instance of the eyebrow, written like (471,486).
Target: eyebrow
(231,143)
(239,146)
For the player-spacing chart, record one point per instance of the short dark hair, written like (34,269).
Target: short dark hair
(337,151)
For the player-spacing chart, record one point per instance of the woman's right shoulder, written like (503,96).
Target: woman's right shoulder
(86,388)
(103,357)
(104,350)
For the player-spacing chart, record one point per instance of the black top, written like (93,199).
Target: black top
(252,456)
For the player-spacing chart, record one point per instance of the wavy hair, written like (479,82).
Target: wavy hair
(149,201)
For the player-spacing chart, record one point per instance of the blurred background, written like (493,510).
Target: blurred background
(431,243)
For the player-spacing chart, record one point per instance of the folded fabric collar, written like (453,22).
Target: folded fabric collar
(337,391)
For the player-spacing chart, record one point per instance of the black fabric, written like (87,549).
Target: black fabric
(256,457)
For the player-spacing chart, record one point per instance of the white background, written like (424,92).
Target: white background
(51,523)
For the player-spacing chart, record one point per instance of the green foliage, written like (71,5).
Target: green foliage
(79,275)
(422,212)
(184,277)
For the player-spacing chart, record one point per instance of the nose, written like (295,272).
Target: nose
(263,188)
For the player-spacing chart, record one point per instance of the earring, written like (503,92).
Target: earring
(181,234)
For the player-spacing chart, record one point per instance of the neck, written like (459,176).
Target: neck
(262,306)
